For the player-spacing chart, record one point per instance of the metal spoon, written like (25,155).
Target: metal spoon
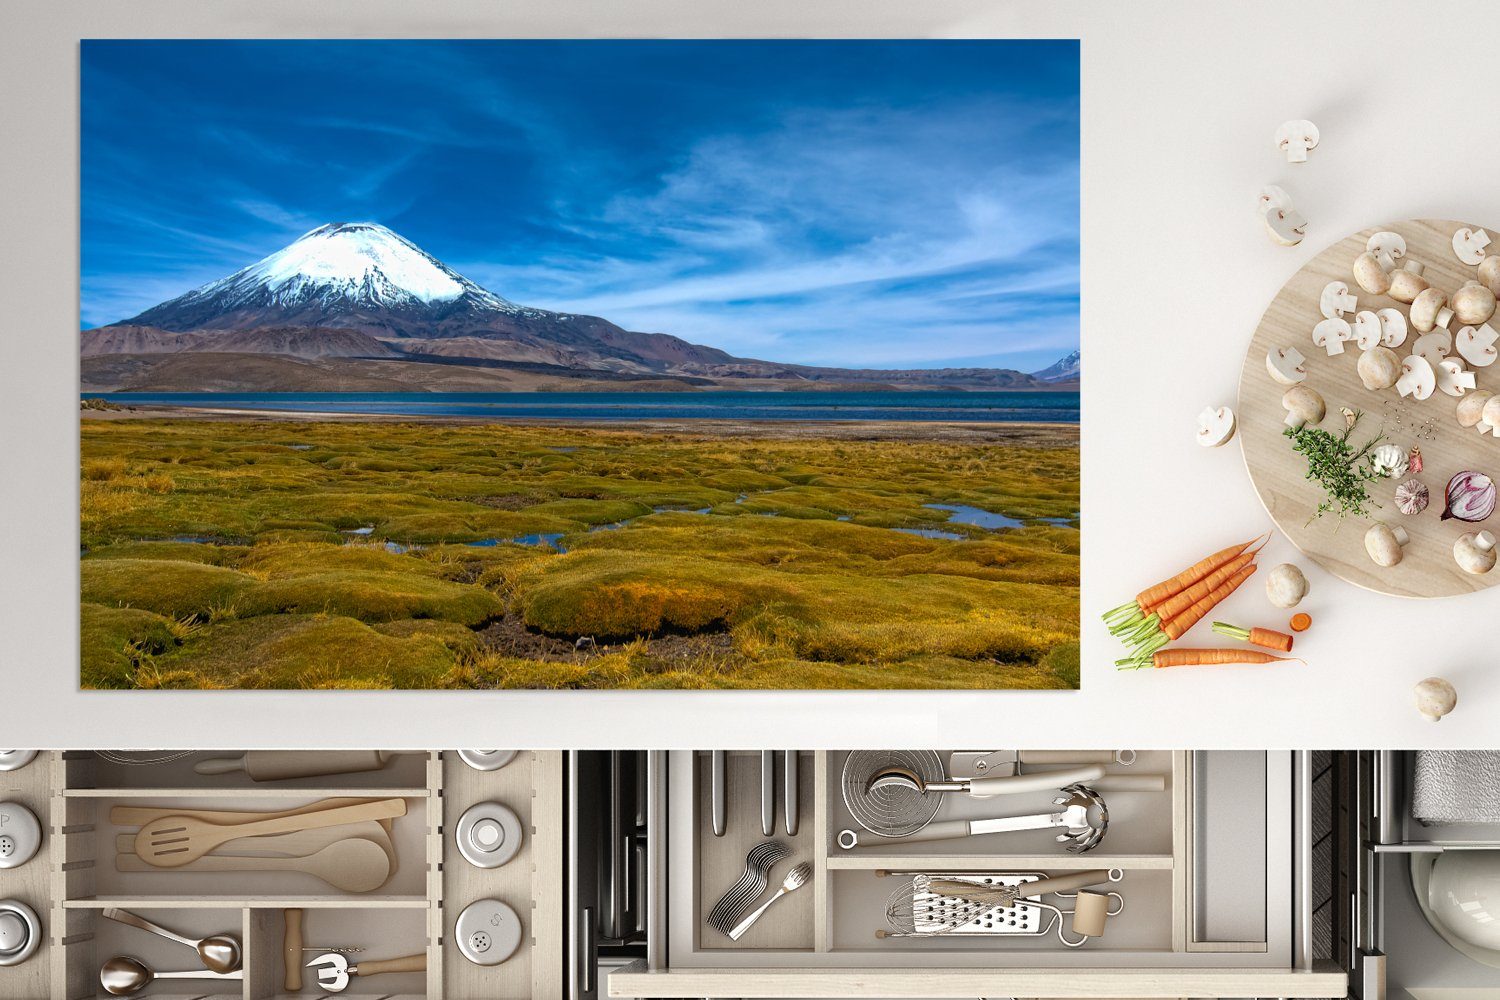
(121,976)
(219,953)
(795,879)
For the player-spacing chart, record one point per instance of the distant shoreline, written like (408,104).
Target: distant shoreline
(1024,433)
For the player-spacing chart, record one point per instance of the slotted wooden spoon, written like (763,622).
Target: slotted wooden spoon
(173,841)
(347,865)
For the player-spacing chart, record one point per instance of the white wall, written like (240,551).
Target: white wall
(1179,103)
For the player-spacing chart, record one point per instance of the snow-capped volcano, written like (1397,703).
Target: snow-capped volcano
(337,270)
(1064,369)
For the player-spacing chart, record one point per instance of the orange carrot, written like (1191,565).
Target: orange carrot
(1175,606)
(1149,598)
(1269,638)
(1179,625)
(1301,622)
(1201,657)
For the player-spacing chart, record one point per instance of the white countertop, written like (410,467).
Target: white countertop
(1180,100)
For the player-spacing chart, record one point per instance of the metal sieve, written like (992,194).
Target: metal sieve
(891,809)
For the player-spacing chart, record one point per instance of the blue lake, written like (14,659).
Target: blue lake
(976,407)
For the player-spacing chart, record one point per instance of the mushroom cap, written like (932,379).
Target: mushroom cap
(1475,552)
(1273,196)
(1473,303)
(1435,697)
(1434,346)
(1369,275)
(1379,367)
(1286,586)
(1417,378)
(1469,244)
(1491,413)
(1285,226)
(1477,345)
(1392,326)
(1334,300)
(1388,243)
(1303,406)
(1298,131)
(1384,543)
(1489,273)
(1471,407)
(1285,365)
(1408,283)
(1426,308)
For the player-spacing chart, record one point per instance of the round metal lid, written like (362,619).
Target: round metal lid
(14,760)
(20,932)
(488,834)
(487,760)
(20,835)
(488,932)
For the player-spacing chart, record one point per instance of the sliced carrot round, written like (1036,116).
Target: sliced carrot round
(1300,622)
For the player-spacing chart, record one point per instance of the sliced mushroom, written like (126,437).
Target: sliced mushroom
(1303,406)
(1384,543)
(1417,380)
(1336,300)
(1469,245)
(1215,426)
(1370,276)
(1430,309)
(1476,345)
(1489,419)
(1285,365)
(1366,329)
(1392,326)
(1332,334)
(1452,378)
(1388,248)
(1379,367)
(1434,346)
(1471,408)
(1284,224)
(1295,138)
(1408,283)
(1475,552)
(1489,273)
(1473,303)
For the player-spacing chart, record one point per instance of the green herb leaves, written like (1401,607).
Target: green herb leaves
(1336,466)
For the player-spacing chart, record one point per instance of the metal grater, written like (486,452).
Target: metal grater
(999,920)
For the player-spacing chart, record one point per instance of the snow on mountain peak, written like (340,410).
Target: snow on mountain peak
(348,263)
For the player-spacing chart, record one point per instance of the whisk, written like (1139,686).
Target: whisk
(938,904)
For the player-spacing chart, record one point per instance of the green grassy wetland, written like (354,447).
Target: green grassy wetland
(386,554)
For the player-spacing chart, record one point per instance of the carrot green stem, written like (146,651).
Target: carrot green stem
(1233,631)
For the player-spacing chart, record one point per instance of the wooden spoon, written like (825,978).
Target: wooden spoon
(176,840)
(349,865)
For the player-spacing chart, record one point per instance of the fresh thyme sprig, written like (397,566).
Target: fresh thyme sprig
(1335,465)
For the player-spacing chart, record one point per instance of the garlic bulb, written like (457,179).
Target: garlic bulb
(1388,460)
(1411,497)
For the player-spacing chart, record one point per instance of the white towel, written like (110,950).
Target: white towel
(1456,786)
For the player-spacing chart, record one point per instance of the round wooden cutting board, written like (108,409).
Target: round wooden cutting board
(1427,568)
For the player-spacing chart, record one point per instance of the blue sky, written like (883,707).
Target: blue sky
(874,204)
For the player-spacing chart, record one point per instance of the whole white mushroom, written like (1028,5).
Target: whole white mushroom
(1286,586)
(1435,698)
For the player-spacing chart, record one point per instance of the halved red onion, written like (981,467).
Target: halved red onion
(1470,496)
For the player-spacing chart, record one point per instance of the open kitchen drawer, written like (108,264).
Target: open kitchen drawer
(1206,869)
(1424,828)
(91,807)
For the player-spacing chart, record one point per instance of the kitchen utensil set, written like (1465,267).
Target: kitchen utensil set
(221,955)
(719,791)
(343,842)
(751,884)
(1083,819)
(998,904)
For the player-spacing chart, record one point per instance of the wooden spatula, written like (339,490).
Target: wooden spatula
(349,865)
(176,840)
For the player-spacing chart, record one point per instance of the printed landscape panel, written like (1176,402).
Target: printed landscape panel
(579,364)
